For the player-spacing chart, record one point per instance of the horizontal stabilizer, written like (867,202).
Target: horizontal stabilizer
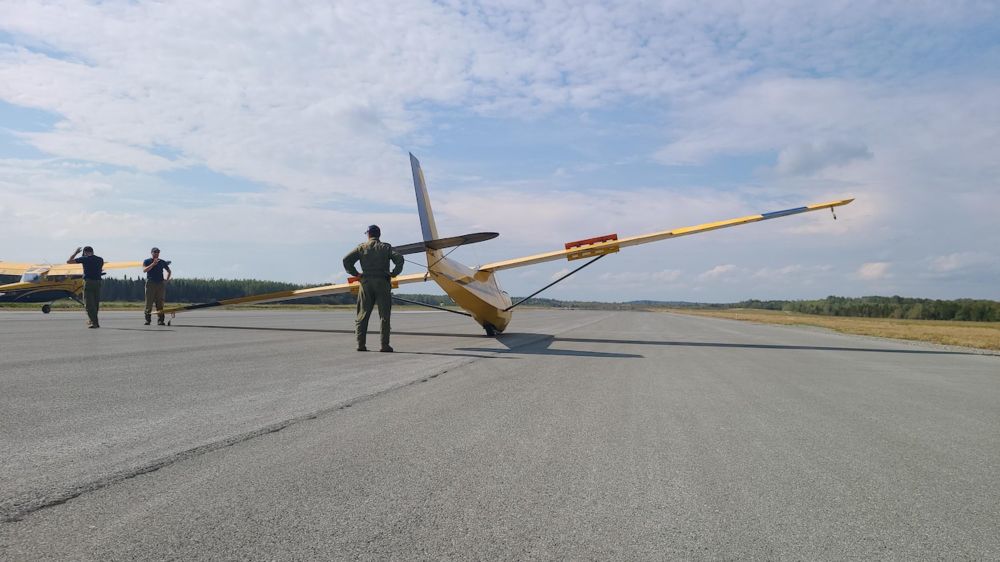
(442,243)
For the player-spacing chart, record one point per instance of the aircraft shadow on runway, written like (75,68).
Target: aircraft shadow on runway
(478,336)
(539,344)
(157,330)
(542,347)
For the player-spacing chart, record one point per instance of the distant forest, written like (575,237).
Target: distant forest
(203,290)
(206,290)
(887,307)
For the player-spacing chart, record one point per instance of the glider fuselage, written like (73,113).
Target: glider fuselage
(477,292)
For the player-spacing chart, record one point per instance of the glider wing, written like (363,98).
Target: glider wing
(295,294)
(11,268)
(77,269)
(611,243)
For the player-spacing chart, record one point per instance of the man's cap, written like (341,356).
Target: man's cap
(88,249)
(373,229)
(155,249)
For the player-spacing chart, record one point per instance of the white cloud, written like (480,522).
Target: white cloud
(550,217)
(791,273)
(636,278)
(559,273)
(874,271)
(81,147)
(720,273)
(960,260)
(809,157)
(765,115)
(665,276)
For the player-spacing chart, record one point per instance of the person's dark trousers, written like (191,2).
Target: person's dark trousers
(155,295)
(92,299)
(374,292)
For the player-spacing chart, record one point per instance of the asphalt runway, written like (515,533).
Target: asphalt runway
(237,435)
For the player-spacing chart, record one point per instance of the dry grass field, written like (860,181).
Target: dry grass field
(982,335)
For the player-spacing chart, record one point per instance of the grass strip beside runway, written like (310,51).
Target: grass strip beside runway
(979,335)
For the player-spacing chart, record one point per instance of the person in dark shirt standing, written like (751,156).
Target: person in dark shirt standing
(93,269)
(376,283)
(156,285)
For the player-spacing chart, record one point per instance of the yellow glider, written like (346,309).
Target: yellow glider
(476,290)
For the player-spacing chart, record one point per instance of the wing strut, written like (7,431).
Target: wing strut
(431,306)
(554,282)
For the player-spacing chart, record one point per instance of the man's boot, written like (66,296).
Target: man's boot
(149,318)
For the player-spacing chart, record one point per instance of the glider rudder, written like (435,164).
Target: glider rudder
(427,226)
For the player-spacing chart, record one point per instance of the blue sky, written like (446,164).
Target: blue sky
(261,145)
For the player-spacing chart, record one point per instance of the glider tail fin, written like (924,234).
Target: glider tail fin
(427,226)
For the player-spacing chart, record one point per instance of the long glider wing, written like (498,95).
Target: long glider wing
(607,244)
(295,294)
(12,268)
(77,269)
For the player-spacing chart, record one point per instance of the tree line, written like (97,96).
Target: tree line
(887,307)
(195,290)
(207,290)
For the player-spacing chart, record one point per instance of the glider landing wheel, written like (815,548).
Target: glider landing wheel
(491,330)
(46,308)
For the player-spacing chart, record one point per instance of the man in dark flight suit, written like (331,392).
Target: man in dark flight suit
(156,285)
(93,269)
(376,283)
